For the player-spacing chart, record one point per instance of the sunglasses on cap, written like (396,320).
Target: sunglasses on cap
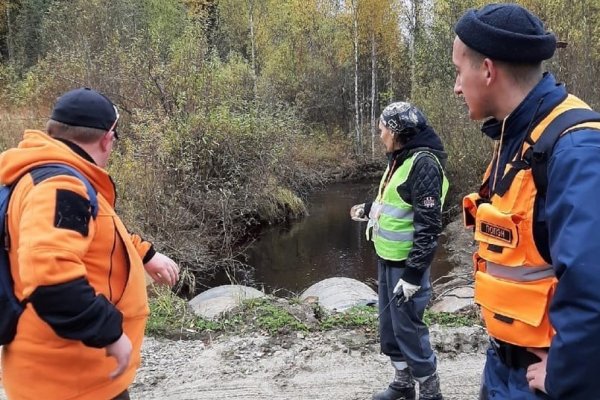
(113,127)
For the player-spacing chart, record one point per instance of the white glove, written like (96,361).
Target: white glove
(357,212)
(408,290)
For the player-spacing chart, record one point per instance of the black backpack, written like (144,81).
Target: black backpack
(10,306)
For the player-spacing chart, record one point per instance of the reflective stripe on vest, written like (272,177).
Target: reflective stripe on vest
(514,284)
(395,236)
(396,212)
(519,274)
(390,210)
(390,224)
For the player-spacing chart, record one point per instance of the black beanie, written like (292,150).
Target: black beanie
(506,32)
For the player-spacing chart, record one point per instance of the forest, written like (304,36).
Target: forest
(234,110)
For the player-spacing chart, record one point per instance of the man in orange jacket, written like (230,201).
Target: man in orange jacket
(81,275)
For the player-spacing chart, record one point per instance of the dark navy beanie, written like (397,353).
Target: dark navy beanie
(506,32)
(85,107)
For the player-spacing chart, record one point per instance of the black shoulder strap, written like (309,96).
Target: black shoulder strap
(542,149)
(43,172)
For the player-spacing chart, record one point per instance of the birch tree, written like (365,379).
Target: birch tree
(356,105)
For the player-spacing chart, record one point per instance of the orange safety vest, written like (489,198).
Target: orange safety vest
(513,282)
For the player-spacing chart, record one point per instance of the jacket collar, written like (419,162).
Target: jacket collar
(427,139)
(77,150)
(536,105)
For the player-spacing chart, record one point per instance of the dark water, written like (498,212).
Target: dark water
(324,244)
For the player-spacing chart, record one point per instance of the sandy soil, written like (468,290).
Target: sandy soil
(336,365)
(333,365)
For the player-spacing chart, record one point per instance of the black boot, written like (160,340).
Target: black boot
(390,393)
(430,389)
(401,388)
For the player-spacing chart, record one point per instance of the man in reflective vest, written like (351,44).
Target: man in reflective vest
(404,222)
(537,271)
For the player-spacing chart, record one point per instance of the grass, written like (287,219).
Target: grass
(355,317)
(172,317)
(13,125)
(449,319)
(280,203)
(268,316)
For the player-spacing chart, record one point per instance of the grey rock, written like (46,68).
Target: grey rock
(213,302)
(340,294)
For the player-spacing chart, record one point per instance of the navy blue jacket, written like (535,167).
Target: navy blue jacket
(572,214)
(573,217)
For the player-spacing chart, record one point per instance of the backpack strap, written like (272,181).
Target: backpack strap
(46,171)
(542,149)
(10,306)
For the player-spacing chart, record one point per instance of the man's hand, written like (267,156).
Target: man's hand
(357,212)
(536,373)
(121,351)
(407,289)
(162,269)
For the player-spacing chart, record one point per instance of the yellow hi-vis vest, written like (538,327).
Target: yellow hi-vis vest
(390,224)
(513,282)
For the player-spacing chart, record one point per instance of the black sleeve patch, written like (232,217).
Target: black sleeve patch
(72,212)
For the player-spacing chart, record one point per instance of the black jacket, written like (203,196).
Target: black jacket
(423,190)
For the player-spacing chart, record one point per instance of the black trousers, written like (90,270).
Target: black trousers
(123,396)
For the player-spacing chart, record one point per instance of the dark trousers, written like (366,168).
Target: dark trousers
(503,383)
(403,334)
(123,396)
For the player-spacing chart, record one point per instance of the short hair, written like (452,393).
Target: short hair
(79,134)
(475,57)
(522,73)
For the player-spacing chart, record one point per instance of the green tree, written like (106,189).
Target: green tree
(24,19)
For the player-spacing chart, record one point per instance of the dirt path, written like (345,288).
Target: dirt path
(335,365)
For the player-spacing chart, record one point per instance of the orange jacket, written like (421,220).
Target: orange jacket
(513,282)
(39,364)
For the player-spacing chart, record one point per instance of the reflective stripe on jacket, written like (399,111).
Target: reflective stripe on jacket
(513,282)
(391,218)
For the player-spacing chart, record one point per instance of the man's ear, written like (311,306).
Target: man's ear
(106,141)
(489,70)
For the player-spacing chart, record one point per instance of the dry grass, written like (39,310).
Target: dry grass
(14,122)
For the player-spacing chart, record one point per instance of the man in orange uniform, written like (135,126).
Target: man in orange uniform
(536,214)
(81,274)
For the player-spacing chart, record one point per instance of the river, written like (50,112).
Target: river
(324,244)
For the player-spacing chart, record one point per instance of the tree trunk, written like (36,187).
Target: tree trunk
(9,38)
(252,44)
(390,88)
(357,110)
(415,17)
(373,93)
